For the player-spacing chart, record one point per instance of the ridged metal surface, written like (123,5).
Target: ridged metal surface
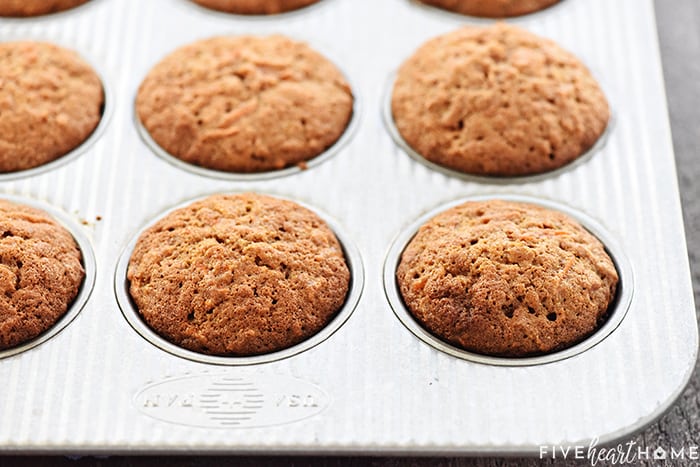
(387,391)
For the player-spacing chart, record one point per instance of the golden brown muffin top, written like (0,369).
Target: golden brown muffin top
(507,279)
(498,101)
(40,272)
(238,275)
(492,8)
(255,7)
(50,102)
(22,8)
(245,104)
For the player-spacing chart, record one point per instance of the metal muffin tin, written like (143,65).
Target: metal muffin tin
(372,386)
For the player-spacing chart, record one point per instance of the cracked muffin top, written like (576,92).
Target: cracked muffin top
(255,7)
(497,101)
(245,104)
(238,275)
(492,8)
(21,8)
(50,102)
(507,279)
(40,272)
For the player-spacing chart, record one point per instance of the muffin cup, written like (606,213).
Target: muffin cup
(89,265)
(107,107)
(393,131)
(453,15)
(284,16)
(52,16)
(617,308)
(132,315)
(329,153)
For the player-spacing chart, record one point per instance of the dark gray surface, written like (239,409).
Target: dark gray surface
(679,35)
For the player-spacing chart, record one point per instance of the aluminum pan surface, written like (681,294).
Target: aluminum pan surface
(376,387)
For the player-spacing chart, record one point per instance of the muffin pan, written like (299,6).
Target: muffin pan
(371,386)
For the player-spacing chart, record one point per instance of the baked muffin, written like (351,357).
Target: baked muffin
(492,8)
(238,275)
(255,7)
(40,272)
(506,279)
(245,104)
(50,102)
(22,8)
(497,101)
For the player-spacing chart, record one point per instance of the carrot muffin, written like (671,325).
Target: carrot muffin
(238,275)
(507,279)
(245,104)
(255,7)
(21,8)
(497,101)
(40,272)
(492,8)
(50,102)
